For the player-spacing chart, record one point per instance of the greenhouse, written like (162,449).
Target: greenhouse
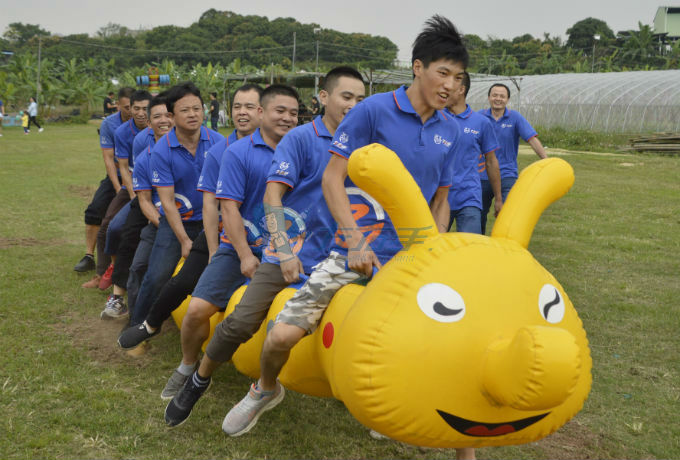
(629,102)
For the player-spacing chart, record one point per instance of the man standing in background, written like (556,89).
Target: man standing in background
(214,111)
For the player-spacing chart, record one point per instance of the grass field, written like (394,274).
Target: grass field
(67,391)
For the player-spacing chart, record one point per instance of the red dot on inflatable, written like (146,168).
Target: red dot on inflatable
(328,333)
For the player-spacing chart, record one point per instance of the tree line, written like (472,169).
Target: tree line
(78,70)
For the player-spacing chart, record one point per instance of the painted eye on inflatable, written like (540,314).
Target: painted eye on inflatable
(441,303)
(551,304)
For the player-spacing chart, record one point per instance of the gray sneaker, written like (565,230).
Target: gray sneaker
(175,383)
(115,308)
(243,416)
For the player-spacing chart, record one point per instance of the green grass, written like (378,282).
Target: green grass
(67,392)
(583,140)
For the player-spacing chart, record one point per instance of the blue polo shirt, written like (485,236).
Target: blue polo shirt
(477,138)
(426,150)
(508,129)
(108,129)
(242,178)
(172,165)
(207,182)
(141,176)
(143,139)
(299,162)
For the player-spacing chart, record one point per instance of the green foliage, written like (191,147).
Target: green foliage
(582,34)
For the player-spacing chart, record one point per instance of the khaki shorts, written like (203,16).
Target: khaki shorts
(306,307)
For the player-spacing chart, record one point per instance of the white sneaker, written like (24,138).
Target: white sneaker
(40,130)
(244,415)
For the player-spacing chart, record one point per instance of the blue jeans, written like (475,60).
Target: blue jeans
(115,230)
(165,254)
(487,196)
(140,262)
(468,220)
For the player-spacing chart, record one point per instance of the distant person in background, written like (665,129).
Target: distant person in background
(32,114)
(315,108)
(509,126)
(110,106)
(214,111)
(24,122)
(474,153)
(2,114)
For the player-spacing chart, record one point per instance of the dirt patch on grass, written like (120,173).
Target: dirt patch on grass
(572,441)
(6,243)
(98,338)
(82,191)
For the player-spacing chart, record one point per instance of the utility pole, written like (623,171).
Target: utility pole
(596,37)
(37,86)
(316,72)
(294,33)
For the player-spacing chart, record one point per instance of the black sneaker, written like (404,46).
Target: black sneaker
(86,264)
(179,409)
(133,336)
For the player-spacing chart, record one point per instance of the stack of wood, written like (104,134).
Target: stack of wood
(668,143)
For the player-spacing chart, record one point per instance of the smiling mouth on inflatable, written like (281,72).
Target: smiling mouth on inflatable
(479,429)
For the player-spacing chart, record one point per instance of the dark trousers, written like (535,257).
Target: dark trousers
(96,210)
(213,122)
(32,119)
(181,285)
(103,259)
(129,240)
(245,320)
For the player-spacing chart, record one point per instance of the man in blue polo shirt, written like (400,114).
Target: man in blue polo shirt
(142,213)
(240,188)
(244,108)
(108,187)
(176,163)
(410,121)
(474,151)
(124,137)
(509,126)
(299,229)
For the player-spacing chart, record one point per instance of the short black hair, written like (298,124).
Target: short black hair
(180,90)
(332,77)
(466,82)
(214,94)
(277,90)
(140,95)
(439,40)
(110,93)
(248,87)
(125,92)
(499,84)
(160,99)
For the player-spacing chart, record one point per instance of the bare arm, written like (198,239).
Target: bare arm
(291,267)
(235,231)
(147,206)
(494,173)
(110,166)
(538,147)
(211,222)
(167,196)
(360,256)
(440,209)
(126,177)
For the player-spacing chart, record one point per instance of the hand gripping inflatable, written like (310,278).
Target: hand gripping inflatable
(461,340)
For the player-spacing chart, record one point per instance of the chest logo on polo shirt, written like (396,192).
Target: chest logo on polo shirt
(470,130)
(506,125)
(440,140)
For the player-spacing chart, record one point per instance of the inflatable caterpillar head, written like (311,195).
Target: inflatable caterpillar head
(461,340)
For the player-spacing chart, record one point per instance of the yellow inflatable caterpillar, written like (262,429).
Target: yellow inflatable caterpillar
(461,340)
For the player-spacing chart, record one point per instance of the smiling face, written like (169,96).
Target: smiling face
(160,120)
(345,94)
(498,98)
(278,116)
(505,361)
(244,112)
(139,110)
